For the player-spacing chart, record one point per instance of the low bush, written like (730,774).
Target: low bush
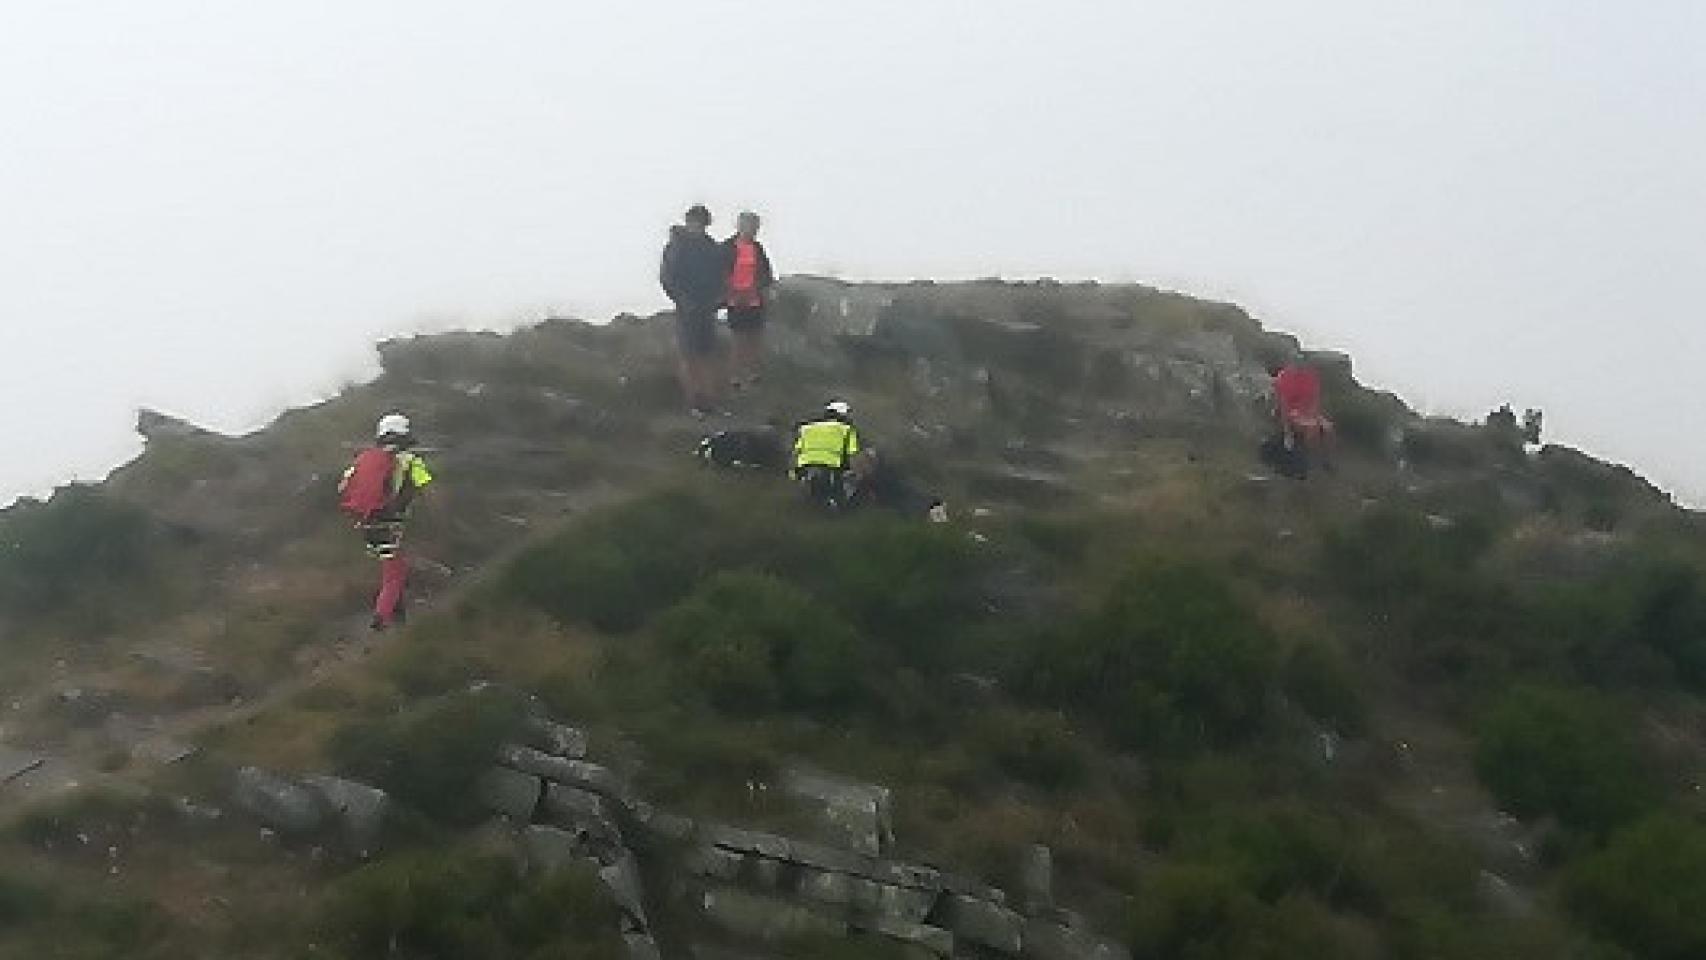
(430,758)
(41,921)
(1563,752)
(1035,747)
(617,567)
(751,642)
(67,550)
(1171,656)
(1458,623)
(469,907)
(1320,680)
(1647,888)
(1665,611)
(1363,419)
(912,587)
(1205,913)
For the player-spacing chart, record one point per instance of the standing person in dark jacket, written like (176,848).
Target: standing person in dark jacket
(750,280)
(695,275)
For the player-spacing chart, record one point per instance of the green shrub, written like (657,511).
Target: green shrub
(1320,680)
(1647,888)
(469,907)
(1036,747)
(1204,913)
(42,921)
(1666,612)
(1563,752)
(1170,656)
(21,902)
(750,642)
(908,585)
(1458,623)
(1284,848)
(691,757)
(1362,419)
(618,567)
(74,546)
(431,758)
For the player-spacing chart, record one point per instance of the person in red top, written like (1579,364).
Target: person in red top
(1297,407)
(750,281)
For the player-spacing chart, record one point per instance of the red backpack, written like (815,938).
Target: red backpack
(367,489)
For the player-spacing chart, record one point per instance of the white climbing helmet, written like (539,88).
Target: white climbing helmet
(392,425)
(838,408)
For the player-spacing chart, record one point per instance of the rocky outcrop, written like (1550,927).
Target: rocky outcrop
(766,886)
(581,807)
(856,815)
(154,425)
(356,812)
(360,810)
(278,802)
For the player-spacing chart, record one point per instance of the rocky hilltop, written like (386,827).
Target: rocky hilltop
(1138,698)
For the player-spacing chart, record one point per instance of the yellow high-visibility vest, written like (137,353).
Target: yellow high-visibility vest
(826,443)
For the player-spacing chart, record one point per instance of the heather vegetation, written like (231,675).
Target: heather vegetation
(1441,703)
(873,627)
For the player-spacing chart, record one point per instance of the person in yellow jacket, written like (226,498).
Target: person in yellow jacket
(824,455)
(376,492)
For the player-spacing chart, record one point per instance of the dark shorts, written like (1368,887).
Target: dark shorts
(746,318)
(384,538)
(696,330)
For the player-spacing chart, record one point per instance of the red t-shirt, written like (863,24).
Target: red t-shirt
(743,277)
(1298,389)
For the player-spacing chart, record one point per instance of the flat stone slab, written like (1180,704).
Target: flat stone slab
(14,763)
(278,802)
(984,923)
(511,793)
(641,946)
(766,918)
(742,840)
(163,750)
(1051,941)
(549,849)
(576,773)
(934,939)
(558,739)
(855,815)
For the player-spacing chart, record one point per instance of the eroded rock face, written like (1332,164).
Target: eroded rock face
(983,923)
(548,849)
(1049,940)
(359,808)
(510,792)
(857,815)
(767,919)
(280,803)
(1036,877)
(154,425)
(765,886)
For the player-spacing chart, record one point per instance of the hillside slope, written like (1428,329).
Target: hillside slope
(1443,702)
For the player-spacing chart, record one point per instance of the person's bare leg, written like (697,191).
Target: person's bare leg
(689,379)
(705,381)
(748,351)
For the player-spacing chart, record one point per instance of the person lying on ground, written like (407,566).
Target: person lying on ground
(756,448)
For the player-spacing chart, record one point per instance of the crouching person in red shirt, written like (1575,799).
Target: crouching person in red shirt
(1304,427)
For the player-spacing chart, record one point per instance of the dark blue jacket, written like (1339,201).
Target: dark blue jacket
(695,269)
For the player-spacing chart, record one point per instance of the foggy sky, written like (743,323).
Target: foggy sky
(214,208)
